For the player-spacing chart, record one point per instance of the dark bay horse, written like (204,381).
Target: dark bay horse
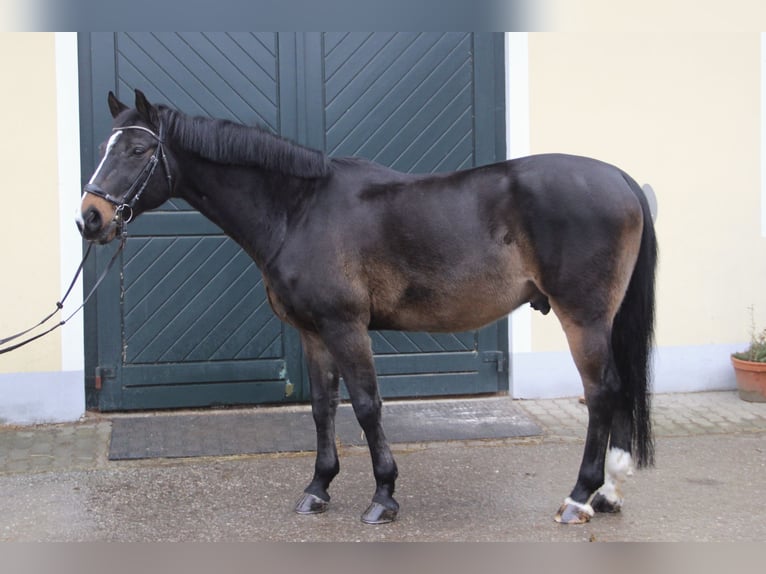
(346,245)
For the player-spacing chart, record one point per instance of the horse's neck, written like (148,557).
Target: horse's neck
(248,204)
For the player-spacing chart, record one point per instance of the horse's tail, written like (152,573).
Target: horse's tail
(633,337)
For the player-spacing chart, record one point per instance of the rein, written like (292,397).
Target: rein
(60,304)
(127,202)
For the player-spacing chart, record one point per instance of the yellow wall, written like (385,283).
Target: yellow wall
(680,111)
(668,15)
(29,223)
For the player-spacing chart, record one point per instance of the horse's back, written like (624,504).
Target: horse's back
(454,251)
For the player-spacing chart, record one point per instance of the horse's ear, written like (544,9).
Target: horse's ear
(146,110)
(115,105)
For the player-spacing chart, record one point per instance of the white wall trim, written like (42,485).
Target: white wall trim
(37,398)
(518,145)
(70,244)
(517,93)
(546,375)
(763,134)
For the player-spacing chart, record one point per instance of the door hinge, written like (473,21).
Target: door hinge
(497,357)
(101,374)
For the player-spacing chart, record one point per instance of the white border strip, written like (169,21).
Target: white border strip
(546,375)
(68,127)
(517,93)
(517,145)
(763,134)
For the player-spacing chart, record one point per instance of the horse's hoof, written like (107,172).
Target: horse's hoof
(572,512)
(376,513)
(310,504)
(601,503)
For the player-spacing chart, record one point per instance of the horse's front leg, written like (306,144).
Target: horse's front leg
(323,378)
(350,345)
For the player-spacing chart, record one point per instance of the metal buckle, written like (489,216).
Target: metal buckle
(119,214)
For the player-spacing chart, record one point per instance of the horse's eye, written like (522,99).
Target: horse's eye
(138,150)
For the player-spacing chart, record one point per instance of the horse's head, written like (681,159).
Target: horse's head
(133,175)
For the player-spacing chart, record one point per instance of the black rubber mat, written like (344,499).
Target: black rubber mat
(252,431)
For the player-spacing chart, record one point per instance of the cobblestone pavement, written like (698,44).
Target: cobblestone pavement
(46,448)
(673,415)
(84,445)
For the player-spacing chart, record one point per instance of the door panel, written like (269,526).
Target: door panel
(195,325)
(407,100)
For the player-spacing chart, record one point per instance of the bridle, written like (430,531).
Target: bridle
(131,197)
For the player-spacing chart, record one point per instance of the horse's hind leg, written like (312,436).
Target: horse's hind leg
(619,462)
(323,378)
(591,350)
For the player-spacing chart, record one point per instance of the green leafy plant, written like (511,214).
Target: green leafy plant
(756,351)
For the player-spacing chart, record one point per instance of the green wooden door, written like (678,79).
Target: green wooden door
(186,322)
(419,103)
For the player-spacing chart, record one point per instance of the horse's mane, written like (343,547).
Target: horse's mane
(223,141)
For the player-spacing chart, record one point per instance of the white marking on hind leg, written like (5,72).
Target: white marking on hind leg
(618,466)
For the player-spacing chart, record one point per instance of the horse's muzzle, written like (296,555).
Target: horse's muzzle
(93,227)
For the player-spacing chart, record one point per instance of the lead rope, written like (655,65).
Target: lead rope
(132,196)
(60,304)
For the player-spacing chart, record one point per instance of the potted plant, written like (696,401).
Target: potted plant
(750,367)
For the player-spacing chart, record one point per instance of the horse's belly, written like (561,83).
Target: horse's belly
(453,309)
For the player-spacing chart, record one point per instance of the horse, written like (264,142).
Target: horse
(346,245)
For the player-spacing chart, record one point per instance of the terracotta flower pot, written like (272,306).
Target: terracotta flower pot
(751,380)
